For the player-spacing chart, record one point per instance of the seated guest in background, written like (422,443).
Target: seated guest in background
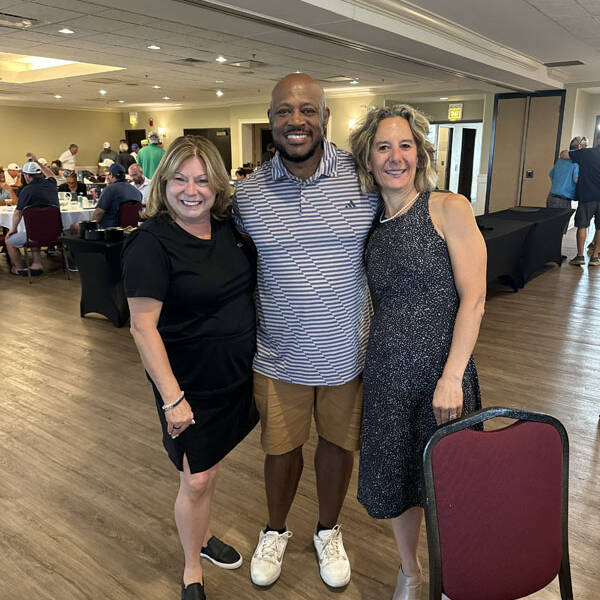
(13,175)
(107,153)
(56,168)
(134,151)
(582,144)
(141,183)
(124,158)
(77,188)
(40,189)
(269,153)
(119,190)
(564,175)
(241,173)
(7,194)
(67,158)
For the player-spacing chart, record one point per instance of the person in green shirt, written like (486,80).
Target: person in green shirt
(149,156)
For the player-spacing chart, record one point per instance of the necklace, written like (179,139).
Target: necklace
(403,208)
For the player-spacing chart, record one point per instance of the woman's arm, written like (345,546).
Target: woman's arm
(144,319)
(468,256)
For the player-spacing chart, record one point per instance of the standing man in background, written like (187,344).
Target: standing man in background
(107,153)
(149,156)
(564,175)
(588,197)
(67,158)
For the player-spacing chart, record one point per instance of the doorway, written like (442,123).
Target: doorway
(220,137)
(597,132)
(135,136)
(457,156)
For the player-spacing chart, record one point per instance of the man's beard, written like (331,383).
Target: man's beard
(296,157)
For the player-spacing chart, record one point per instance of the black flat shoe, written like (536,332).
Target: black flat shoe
(194,591)
(221,554)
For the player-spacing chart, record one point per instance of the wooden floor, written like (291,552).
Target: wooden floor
(86,491)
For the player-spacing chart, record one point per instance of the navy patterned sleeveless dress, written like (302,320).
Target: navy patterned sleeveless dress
(416,301)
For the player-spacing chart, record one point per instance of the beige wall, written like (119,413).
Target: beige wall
(48,133)
(593,112)
(581,116)
(438,111)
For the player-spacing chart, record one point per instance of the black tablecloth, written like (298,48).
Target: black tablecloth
(539,232)
(99,265)
(504,241)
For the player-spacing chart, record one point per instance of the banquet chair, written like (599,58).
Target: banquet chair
(43,225)
(496,507)
(129,213)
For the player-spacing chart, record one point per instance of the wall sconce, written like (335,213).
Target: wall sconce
(162,132)
(351,123)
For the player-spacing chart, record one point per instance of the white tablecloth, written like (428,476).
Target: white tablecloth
(68,216)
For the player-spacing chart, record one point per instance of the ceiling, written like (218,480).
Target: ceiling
(426,49)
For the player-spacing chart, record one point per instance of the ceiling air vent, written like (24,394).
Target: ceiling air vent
(16,22)
(187,61)
(104,80)
(564,63)
(338,78)
(246,64)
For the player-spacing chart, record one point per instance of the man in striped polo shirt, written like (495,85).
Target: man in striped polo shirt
(305,212)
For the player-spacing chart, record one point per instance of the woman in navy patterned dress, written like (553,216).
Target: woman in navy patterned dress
(426,264)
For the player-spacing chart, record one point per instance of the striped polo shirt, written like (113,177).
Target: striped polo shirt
(312,302)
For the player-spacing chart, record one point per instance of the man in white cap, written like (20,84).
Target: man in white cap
(107,153)
(40,189)
(149,156)
(13,174)
(67,158)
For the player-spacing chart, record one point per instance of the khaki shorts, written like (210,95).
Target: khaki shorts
(286,411)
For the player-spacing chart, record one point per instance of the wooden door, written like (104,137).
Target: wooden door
(505,182)
(540,149)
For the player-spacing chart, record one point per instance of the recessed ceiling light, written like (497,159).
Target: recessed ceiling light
(219,81)
(103,92)
(221,59)
(219,93)
(65,30)
(153,47)
(443,97)
(166,98)
(354,82)
(121,101)
(57,96)
(156,87)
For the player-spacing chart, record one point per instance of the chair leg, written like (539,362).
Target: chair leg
(27,264)
(66,262)
(564,579)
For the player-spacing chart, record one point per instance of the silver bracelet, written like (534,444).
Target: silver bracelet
(168,407)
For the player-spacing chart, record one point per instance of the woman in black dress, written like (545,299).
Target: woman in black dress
(189,281)
(425,264)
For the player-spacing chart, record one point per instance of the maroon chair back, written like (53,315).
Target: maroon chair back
(43,225)
(497,507)
(129,213)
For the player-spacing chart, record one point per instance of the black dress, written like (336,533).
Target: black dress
(207,325)
(416,301)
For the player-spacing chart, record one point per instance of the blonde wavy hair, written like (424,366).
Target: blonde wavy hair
(181,149)
(361,140)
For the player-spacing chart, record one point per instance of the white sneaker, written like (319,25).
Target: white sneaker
(333,560)
(265,567)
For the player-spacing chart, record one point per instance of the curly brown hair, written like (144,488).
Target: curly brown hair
(361,140)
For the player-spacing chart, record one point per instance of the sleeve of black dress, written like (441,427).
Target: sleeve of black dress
(146,268)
